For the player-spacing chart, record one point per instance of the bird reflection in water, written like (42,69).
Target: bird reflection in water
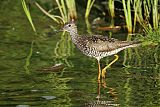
(101,101)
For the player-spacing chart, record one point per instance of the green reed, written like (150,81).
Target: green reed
(62,9)
(53,17)
(137,12)
(143,11)
(155,13)
(71,5)
(67,9)
(27,12)
(88,8)
(150,11)
(111,8)
(149,16)
(127,13)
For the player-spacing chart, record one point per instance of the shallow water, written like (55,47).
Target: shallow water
(75,83)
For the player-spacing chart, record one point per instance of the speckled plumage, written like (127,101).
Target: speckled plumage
(96,46)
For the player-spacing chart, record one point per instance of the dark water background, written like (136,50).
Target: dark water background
(76,84)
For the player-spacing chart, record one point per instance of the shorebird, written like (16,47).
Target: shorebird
(97,46)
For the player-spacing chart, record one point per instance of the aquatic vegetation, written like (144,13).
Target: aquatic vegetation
(152,36)
(54,17)
(146,12)
(127,13)
(137,13)
(111,8)
(155,13)
(76,85)
(71,5)
(62,9)
(88,8)
(27,63)
(27,12)
(63,49)
(66,8)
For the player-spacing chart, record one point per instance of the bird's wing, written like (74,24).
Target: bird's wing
(103,44)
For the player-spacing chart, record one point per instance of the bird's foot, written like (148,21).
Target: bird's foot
(98,97)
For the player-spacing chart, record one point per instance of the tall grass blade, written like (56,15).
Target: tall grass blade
(137,12)
(111,8)
(127,13)
(71,9)
(155,13)
(88,8)
(129,16)
(26,10)
(53,17)
(62,9)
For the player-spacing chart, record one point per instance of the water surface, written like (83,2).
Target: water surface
(76,84)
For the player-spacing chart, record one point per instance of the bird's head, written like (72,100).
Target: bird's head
(69,27)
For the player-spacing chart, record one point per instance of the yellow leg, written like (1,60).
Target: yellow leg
(99,71)
(104,69)
(99,91)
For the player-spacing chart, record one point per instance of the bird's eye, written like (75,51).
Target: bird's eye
(69,25)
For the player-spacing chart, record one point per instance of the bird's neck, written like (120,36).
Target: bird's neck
(74,35)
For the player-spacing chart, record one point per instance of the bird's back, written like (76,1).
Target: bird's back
(100,46)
